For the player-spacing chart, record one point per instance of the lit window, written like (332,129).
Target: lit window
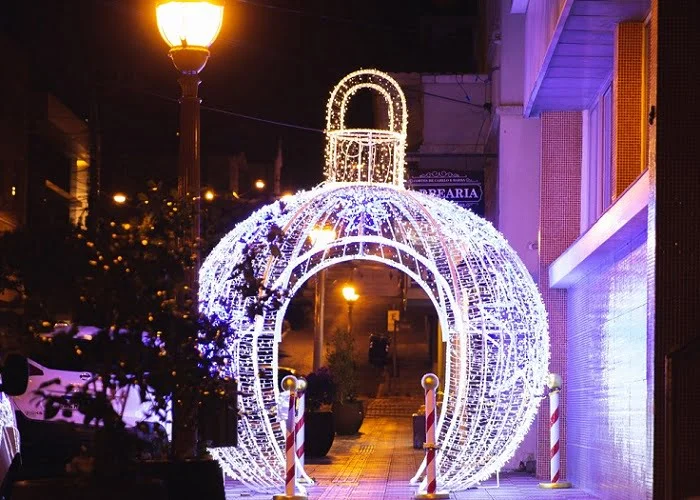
(596,161)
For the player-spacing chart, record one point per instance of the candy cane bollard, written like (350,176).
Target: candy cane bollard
(554,383)
(299,428)
(289,383)
(430,383)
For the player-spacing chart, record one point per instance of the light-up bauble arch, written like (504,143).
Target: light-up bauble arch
(492,317)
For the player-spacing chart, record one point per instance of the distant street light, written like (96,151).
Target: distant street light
(119,198)
(350,295)
(260,184)
(209,195)
(189,28)
(320,237)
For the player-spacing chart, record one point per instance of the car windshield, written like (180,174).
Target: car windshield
(74,349)
(61,352)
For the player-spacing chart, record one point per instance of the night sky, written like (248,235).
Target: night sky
(274,59)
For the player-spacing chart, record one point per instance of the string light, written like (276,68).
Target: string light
(492,317)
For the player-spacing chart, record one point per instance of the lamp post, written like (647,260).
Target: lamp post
(350,296)
(320,237)
(189,27)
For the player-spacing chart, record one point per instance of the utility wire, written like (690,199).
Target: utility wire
(230,42)
(239,115)
(325,17)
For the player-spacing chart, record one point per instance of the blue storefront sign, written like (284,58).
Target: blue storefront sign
(464,190)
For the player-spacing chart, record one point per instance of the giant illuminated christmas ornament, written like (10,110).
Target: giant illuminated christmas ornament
(492,316)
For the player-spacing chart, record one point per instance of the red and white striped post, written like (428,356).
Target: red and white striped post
(430,383)
(554,383)
(289,383)
(299,425)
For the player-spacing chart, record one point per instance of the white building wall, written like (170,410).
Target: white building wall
(519,146)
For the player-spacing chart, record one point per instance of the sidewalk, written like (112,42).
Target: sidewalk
(378,463)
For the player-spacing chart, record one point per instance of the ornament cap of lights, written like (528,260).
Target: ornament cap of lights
(492,317)
(375,156)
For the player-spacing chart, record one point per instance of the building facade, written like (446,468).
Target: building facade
(44,154)
(449,145)
(593,102)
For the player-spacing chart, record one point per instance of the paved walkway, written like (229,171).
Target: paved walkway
(378,463)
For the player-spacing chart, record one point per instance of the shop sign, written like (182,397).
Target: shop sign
(465,190)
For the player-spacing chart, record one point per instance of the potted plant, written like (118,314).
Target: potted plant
(348,411)
(320,427)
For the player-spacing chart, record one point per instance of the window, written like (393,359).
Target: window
(596,161)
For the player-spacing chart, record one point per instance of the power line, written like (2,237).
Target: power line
(232,113)
(325,17)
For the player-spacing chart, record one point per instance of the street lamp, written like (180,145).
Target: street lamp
(350,295)
(260,184)
(119,198)
(189,27)
(320,237)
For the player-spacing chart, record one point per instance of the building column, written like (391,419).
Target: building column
(674,215)
(560,205)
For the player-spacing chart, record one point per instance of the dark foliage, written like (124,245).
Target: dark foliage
(320,389)
(130,276)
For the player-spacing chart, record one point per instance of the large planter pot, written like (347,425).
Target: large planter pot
(319,433)
(348,417)
(187,479)
(89,488)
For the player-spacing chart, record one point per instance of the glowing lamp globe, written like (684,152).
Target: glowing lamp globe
(189,27)
(186,23)
(350,294)
(321,236)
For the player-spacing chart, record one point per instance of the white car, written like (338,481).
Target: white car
(13,381)
(126,401)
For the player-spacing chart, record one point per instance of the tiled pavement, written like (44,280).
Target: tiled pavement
(378,464)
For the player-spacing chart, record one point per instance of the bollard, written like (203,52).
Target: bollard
(299,429)
(554,383)
(430,383)
(289,383)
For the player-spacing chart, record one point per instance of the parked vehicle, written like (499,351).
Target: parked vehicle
(30,405)
(14,382)
(51,437)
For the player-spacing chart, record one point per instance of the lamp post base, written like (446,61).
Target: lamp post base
(559,485)
(437,494)
(282,496)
